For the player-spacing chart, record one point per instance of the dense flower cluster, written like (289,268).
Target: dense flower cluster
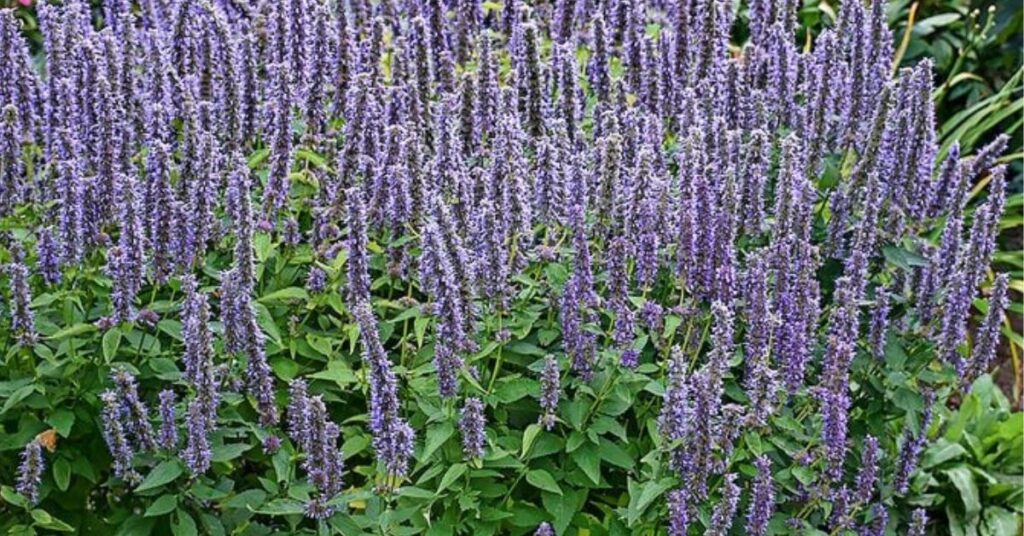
(641,160)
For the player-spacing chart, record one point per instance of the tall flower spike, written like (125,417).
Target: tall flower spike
(471,425)
(168,435)
(30,472)
(298,414)
(987,340)
(762,498)
(910,450)
(197,454)
(721,520)
(868,475)
(276,192)
(48,254)
(392,436)
(117,439)
(678,512)
(22,319)
(918,522)
(879,324)
(550,379)
(134,410)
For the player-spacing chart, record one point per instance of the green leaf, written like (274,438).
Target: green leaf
(672,323)
(111,341)
(649,491)
(589,461)
(338,372)
(529,436)
(43,519)
(62,474)
(436,436)
(183,524)
(165,504)
(62,420)
(21,394)
(563,507)
(13,497)
(136,526)
(963,479)
(164,473)
(285,294)
(515,389)
(614,454)
(226,453)
(450,476)
(266,322)
(72,331)
(284,367)
(542,479)
(282,507)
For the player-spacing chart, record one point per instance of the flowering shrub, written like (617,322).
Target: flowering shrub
(443,267)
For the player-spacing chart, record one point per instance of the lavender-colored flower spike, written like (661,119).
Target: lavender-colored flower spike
(48,252)
(762,499)
(721,520)
(550,379)
(879,521)
(544,529)
(358,255)
(918,522)
(134,410)
(116,437)
(30,472)
(392,436)
(879,324)
(298,414)
(471,425)
(158,204)
(276,192)
(323,463)
(910,450)
(987,340)
(678,512)
(168,435)
(22,320)
(868,474)
(197,454)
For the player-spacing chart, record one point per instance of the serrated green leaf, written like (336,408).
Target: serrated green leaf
(183,524)
(282,507)
(543,480)
(62,474)
(450,476)
(285,294)
(162,474)
(163,505)
(437,435)
(111,341)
